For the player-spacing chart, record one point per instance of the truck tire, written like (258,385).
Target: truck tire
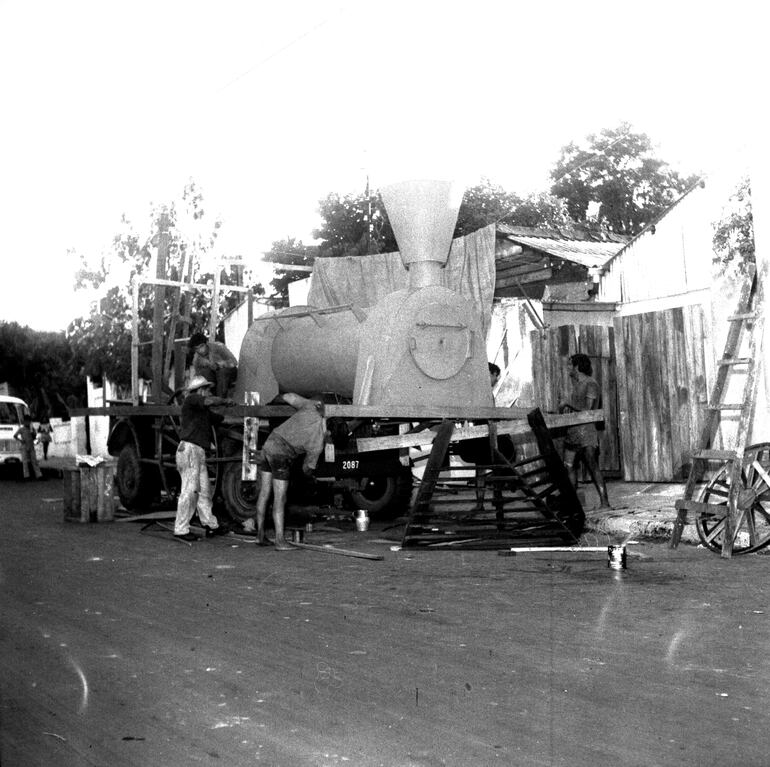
(240,497)
(384,497)
(134,486)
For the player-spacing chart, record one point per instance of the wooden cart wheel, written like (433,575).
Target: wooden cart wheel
(167,441)
(753,523)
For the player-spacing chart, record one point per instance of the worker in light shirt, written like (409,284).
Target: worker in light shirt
(300,435)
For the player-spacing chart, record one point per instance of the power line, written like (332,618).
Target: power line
(276,53)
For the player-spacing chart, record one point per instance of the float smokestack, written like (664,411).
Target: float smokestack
(423,215)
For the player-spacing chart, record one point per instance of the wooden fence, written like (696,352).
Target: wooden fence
(662,390)
(551,350)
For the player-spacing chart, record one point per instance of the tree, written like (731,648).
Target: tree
(289,252)
(354,225)
(102,341)
(619,173)
(488,203)
(358,224)
(39,368)
(733,238)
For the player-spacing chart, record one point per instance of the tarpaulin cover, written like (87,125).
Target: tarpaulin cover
(364,280)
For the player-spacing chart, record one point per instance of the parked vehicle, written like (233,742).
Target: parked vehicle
(12,412)
(145,447)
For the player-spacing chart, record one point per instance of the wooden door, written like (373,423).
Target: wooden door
(551,350)
(661,375)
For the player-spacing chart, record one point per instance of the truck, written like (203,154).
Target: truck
(12,412)
(144,441)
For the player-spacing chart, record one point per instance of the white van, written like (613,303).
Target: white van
(12,412)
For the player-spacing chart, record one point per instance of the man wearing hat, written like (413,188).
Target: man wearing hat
(195,434)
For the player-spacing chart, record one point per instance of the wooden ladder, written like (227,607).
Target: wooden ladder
(749,310)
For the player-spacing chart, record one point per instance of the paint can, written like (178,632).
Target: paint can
(362,520)
(616,557)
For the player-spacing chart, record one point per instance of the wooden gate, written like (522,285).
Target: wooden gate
(662,390)
(551,350)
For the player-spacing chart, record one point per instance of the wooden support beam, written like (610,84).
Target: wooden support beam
(426,412)
(235,411)
(514,281)
(190,286)
(214,317)
(135,344)
(158,330)
(518,269)
(328,549)
(426,437)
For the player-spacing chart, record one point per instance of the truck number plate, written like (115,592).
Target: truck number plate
(349,465)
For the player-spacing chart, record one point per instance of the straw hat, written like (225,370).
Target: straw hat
(198,382)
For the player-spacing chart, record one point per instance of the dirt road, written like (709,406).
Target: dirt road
(125,648)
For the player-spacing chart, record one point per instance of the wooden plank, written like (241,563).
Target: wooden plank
(537,343)
(661,322)
(611,437)
(681,394)
(426,412)
(702,508)
(624,441)
(329,549)
(152,515)
(518,270)
(236,411)
(158,311)
(395,412)
(649,375)
(426,437)
(572,516)
(525,279)
(629,342)
(249,471)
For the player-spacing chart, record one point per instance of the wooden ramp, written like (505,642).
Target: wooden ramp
(521,501)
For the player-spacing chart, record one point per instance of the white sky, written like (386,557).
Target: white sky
(107,107)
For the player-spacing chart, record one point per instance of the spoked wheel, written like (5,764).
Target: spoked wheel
(752,529)
(167,441)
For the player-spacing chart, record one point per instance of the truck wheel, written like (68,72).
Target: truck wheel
(384,497)
(240,497)
(133,486)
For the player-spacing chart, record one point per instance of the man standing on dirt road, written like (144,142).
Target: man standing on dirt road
(302,434)
(195,440)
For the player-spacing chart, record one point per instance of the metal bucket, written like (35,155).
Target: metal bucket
(616,557)
(362,520)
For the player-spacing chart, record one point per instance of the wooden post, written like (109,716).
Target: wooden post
(158,310)
(135,344)
(214,320)
(171,347)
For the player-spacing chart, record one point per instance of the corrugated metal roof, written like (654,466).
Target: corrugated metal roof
(583,246)
(588,254)
(578,232)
